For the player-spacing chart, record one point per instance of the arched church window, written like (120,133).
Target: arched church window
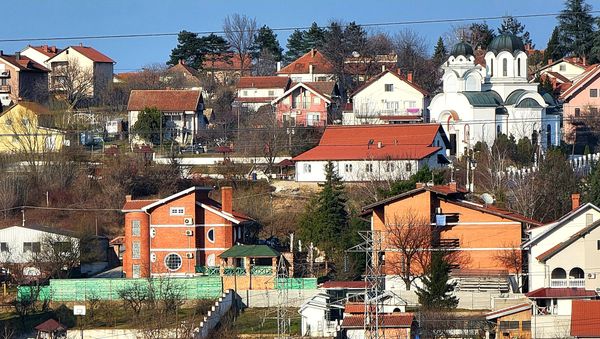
(504,67)
(498,130)
(471,84)
(548,135)
(491,67)
(519,67)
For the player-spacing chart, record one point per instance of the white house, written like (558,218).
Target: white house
(479,103)
(22,244)
(374,152)
(387,98)
(319,316)
(77,61)
(183,111)
(563,266)
(566,68)
(254,92)
(40,54)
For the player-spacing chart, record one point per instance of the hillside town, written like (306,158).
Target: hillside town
(358,183)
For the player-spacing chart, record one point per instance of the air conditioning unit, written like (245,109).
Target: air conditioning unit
(189,233)
(152,232)
(598,289)
(189,255)
(153,257)
(188,221)
(591,275)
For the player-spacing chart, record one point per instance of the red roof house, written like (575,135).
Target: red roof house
(308,104)
(312,66)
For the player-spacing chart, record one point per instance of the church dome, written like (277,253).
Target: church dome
(506,42)
(461,48)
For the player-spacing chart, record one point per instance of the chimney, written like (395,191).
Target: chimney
(278,66)
(128,197)
(18,55)
(453,186)
(584,60)
(550,61)
(227,199)
(181,62)
(398,71)
(313,52)
(383,68)
(379,144)
(81,44)
(310,69)
(409,77)
(420,185)
(1,52)
(575,199)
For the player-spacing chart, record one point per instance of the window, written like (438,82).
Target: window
(210,235)
(518,67)
(526,325)
(562,67)
(135,228)
(548,135)
(348,167)
(313,119)
(369,168)
(316,100)
(577,112)
(135,250)
(491,67)
(135,271)
(177,211)
(152,232)
(245,93)
(307,168)
(3,247)
(392,106)
(597,245)
(408,167)
(594,93)
(321,78)
(504,67)
(389,87)
(173,261)
(389,167)
(509,325)
(31,247)
(589,219)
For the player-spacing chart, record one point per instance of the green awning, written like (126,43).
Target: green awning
(251,251)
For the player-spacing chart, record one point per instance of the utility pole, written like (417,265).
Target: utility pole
(282,284)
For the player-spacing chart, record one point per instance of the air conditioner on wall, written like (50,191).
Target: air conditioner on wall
(591,275)
(189,255)
(189,233)
(188,221)
(153,257)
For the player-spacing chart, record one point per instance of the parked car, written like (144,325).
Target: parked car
(195,149)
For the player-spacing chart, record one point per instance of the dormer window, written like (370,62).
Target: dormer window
(389,87)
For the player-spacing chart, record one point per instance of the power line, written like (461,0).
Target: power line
(291,28)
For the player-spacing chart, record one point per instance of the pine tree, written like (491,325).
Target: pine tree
(295,46)
(513,26)
(576,28)
(436,292)
(188,49)
(592,192)
(554,50)
(480,35)
(266,40)
(314,37)
(440,53)
(595,51)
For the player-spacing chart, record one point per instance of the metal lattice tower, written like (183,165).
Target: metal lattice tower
(282,285)
(374,280)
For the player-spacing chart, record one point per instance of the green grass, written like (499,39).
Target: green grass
(264,321)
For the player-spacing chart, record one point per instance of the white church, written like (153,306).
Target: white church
(479,102)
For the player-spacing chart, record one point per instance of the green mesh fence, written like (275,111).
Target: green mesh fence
(297,283)
(108,289)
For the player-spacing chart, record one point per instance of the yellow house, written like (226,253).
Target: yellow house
(20,130)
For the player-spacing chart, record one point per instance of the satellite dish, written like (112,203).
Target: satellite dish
(487,198)
(355,54)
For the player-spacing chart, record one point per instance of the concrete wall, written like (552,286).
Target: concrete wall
(269,298)
(205,161)
(223,305)
(551,326)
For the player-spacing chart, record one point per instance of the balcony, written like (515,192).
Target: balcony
(386,113)
(4,88)
(562,283)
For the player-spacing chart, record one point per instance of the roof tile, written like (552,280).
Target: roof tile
(165,100)
(560,293)
(320,64)
(264,82)
(401,320)
(585,318)
(92,54)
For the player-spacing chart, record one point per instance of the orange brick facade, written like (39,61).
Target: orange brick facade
(178,233)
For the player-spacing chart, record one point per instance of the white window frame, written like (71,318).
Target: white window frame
(307,168)
(136,250)
(369,168)
(176,211)
(135,228)
(135,271)
(213,233)
(388,87)
(348,168)
(173,269)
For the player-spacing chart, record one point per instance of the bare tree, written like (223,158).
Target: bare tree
(135,296)
(72,82)
(59,254)
(240,32)
(511,258)
(410,235)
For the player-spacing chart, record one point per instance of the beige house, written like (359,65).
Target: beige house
(23,129)
(40,54)
(21,78)
(83,65)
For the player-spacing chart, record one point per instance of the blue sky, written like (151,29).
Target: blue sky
(57,18)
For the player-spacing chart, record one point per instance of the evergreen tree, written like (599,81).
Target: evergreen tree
(314,37)
(295,46)
(436,292)
(148,125)
(554,50)
(188,49)
(325,222)
(480,35)
(266,40)
(440,53)
(576,28)
(513,26)
(595,51)
(592,192)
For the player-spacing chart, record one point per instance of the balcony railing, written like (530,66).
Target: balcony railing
(230,271)
(208,270)
(558,283)
(262,270)
(4,88)
(389,112)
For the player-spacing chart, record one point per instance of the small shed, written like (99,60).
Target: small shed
(249,258)
(51,329)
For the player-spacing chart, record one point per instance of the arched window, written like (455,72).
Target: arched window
(467,133)
(504,67)
(548,135)
(472,83)
(558,273)
(210,235)
(576,273)
(518,67)
(498,130)
(491,67)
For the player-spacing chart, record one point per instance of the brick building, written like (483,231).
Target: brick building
(308,104)
(174,235)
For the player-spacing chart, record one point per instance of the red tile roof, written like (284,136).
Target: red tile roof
(92,54)
(558,76)
(48,51)
(409,141)
(344,284)
(401,320)
(165,100)
(23,63)
(585,318)
(320,64)
(324,88)
(357,308)
(586,78)
(380,75)
(264,82)
(226,62)
(560,293)
(265,100)
(50,325)
(137,204)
